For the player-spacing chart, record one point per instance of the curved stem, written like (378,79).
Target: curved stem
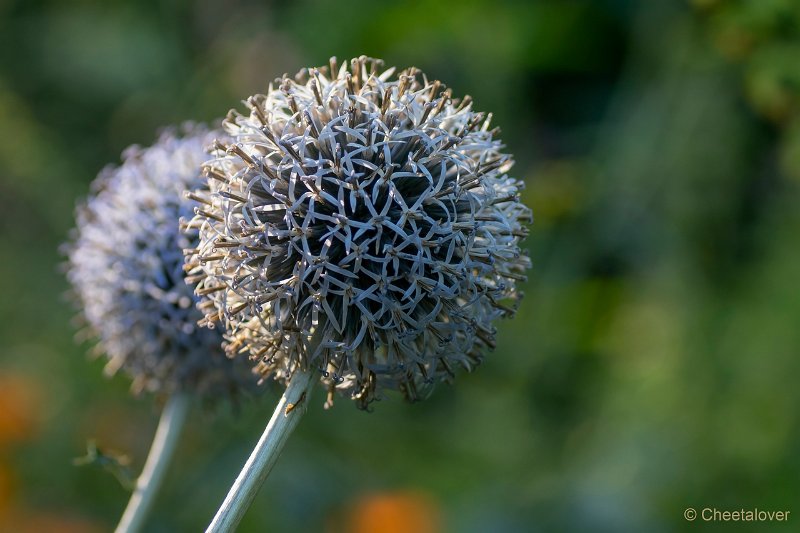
(264,455)
(147,484)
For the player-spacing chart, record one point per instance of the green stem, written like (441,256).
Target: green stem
(264,455)
(147,484)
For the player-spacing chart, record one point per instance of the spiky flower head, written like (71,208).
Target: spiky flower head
(125,263)
(361,223)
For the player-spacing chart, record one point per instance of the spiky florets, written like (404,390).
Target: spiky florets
(362,224)
(126,267)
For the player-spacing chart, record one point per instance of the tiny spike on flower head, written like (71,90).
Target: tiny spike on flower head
(125,263)
(363,224)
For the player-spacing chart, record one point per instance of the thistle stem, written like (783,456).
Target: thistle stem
(169,428)
(264,455)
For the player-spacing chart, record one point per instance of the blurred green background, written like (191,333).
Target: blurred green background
(653,365)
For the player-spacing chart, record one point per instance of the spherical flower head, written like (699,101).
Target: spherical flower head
(125,263)
(363,224)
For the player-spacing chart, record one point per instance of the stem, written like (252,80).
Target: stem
(264,455)
(147,484)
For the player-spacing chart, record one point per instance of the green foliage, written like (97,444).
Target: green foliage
(113,463)
(764,36)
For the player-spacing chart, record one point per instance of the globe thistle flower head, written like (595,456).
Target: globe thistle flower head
(125,264)
(362,223)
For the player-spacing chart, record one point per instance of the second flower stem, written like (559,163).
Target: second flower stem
(265,454)
(169,428)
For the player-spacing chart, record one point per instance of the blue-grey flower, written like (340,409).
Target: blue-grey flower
(363,224)
(125,263)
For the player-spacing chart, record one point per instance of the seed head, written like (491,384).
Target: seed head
(363,224)
(125,263)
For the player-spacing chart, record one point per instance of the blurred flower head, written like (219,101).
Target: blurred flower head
(362,223)
(125,262)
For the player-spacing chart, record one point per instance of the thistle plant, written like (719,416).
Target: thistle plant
(360,226)
(125,263)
